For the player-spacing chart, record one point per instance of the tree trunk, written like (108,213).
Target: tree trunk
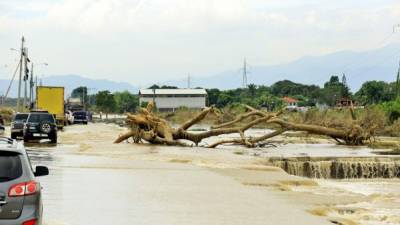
(147,127)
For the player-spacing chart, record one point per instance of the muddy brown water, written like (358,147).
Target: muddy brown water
(93,181)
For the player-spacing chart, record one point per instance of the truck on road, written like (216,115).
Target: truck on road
(51,99)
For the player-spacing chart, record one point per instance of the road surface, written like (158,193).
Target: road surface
(93,181)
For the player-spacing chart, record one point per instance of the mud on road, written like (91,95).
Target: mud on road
(94,181)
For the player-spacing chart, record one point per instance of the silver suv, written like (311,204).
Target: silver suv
(20,193)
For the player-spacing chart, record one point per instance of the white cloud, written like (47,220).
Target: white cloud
(162,39)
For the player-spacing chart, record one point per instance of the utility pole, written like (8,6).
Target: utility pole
(398,83)
(245,74)
(26,77)
(36,83)
(20,75)
(31,86)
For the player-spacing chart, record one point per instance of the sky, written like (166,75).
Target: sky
(147,41)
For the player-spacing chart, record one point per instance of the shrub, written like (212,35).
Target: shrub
(7,114)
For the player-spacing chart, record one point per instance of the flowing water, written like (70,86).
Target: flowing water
(95,181)
(341,168)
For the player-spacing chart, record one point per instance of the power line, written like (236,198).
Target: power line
(12,80)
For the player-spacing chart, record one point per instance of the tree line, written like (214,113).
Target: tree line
(371,92)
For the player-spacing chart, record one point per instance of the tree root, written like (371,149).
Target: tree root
(145,126)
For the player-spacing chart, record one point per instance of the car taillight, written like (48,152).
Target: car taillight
(30,222)
(23,189)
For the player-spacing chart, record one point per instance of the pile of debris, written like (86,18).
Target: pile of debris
(147,127)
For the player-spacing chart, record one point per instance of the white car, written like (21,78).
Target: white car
(70,117)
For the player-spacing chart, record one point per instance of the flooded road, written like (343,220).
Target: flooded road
(93,181)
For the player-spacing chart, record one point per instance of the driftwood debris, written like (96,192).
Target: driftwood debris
(145,126)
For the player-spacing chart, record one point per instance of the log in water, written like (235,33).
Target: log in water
(340,168)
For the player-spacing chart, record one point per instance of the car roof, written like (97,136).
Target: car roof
(19,113)
(10,145)
(36,113)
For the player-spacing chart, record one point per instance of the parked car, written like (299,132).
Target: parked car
(40,125)
(2,128)
(69,117)
(20,193)
(80,117)
(17,125)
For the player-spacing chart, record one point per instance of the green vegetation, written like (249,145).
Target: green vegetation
(373,92)
(377,97)
(118,102)
(271,97)
(125,102)
(105,102)
(81,93)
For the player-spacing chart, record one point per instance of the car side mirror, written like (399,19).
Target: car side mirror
(41,171)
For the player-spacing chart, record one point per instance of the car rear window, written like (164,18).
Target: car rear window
(41,117)
(21,116)
(79,114)
(10,166)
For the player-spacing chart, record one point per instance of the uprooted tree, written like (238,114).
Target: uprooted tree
(145,126)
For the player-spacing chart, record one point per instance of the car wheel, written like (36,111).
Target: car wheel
(45,128)
(26,139)
(13,136)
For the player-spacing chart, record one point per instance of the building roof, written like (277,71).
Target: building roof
(173,92)
(289,100)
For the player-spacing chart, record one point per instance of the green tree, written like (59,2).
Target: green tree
(154,86)
(126,102)
(252,89)
(81,93)
(374,92)
(289,88)
(105,102)
(224,99)
(333,90)
(212,96)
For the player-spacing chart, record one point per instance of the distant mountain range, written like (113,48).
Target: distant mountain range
(378,64)
(72,81)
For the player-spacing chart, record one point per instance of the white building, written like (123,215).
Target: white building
(171,99)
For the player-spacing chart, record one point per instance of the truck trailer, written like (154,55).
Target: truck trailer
(51,99)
